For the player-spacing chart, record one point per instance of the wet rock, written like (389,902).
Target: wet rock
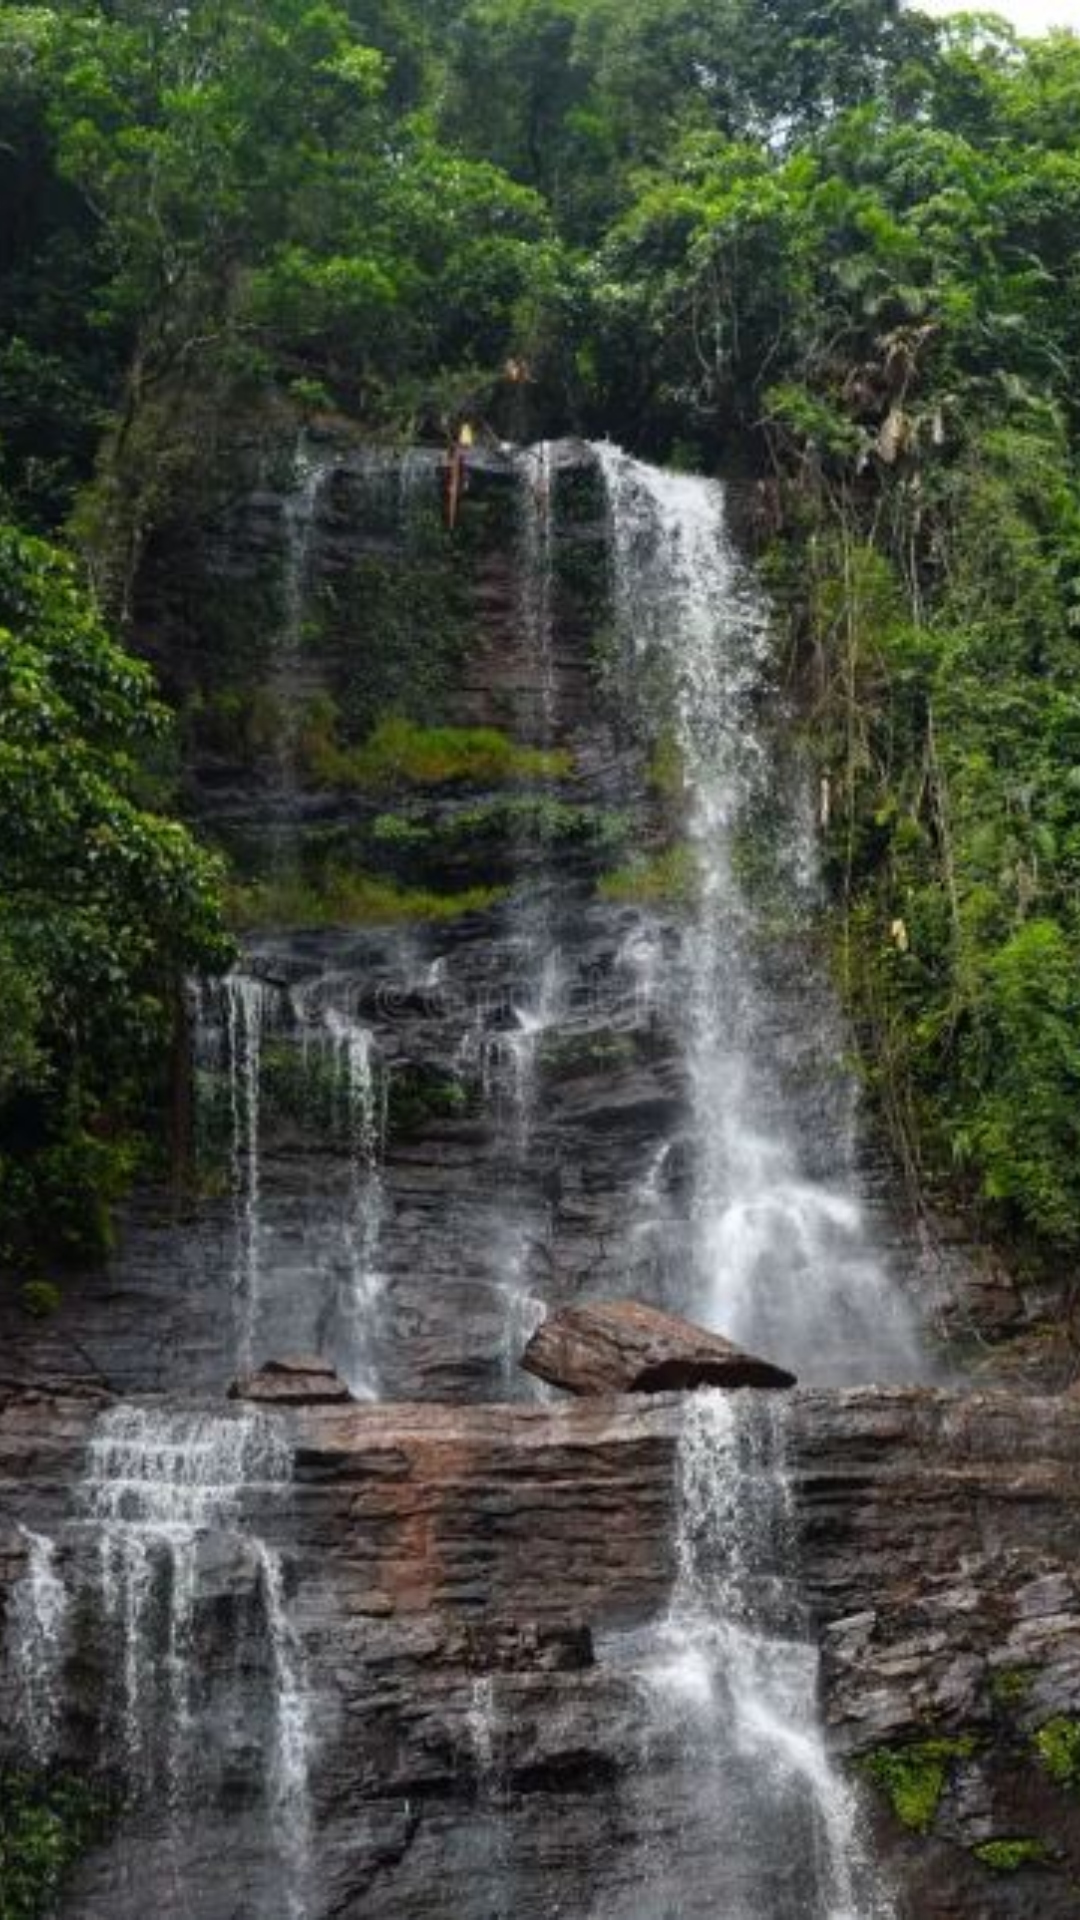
(471,1587)
(623,1347)
(303,1382)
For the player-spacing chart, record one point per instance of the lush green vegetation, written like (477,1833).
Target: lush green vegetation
(831,246)
(104,903)
(555,822)
(45,1824)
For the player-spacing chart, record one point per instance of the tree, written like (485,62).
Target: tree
(105,903)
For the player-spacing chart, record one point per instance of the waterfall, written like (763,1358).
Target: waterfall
(482,1722)
(38,1630)
(289,682)
(158,1485)
(537,544)
(780,1257)
(246,1004)
(763,1229)
(360,1096)
(537,990)
(733,1679)
(326,1075)
(290,1793)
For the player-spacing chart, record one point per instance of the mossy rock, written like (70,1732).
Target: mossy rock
(1012,1856)
(1058,1747)
(1010,1686)
(666,879)
(400,754)
(914,1778)
(420,1097)
(344,897)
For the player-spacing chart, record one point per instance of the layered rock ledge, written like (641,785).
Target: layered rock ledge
(471,1586)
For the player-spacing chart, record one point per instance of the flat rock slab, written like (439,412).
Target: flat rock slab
(303,1382)
(621,1347)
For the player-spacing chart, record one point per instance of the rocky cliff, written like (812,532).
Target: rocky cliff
(474,1589)
(449,1652)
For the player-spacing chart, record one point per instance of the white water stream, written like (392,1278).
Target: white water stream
(36,1646)
(538,989)
(246,1002)
(735,1672)
(778,1257)
(161,1489)
(781,1261)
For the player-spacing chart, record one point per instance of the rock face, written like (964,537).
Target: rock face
(623,1347)
(473,1590)
(523,1125)
(305,1382)
(397,1661)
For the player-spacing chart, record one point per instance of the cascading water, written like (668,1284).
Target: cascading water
(289,681)
(327,1290)
(538,988)
(733,1679)
(775,1253)
(38,1631)
(332,1033)
(245,1006)
(538,479)
(290,1769)
(159,1487)
(780,1260)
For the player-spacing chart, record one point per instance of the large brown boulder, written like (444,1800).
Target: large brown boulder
(620,1347)
(304,1382)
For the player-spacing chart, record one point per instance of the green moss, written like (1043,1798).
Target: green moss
(350,899)
(666,770)
(419,1097)
(664,880)
(40,1299)
(1058,1747)
(401,830)
(913,1778)
(1010,1856)
(46,1824)
(587,1053)
(541,816)
(399,753)
(548,819)
(1011,1686)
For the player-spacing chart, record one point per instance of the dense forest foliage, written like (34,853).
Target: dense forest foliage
(830,242)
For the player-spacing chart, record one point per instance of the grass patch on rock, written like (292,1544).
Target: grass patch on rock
(346,898)
(913,1778)
(401,754)
(665,879)
(1058,1747)
(1011,1856)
